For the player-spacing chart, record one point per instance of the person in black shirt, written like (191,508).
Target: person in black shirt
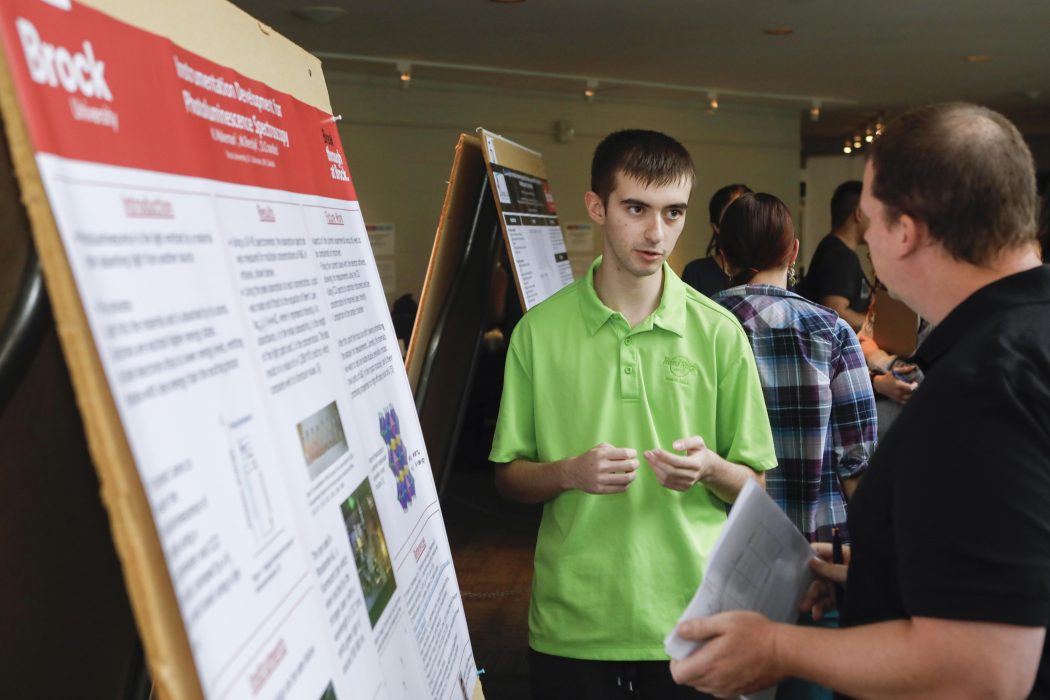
(948,587)
(835,277)
(705,275)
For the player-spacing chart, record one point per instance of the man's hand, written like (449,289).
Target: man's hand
(893,388)
(603,469)
(820,597)
(680,472)
(739,654)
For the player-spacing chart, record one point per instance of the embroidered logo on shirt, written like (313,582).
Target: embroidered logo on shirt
(681,368)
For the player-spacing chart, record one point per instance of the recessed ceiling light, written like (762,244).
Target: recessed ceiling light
(319,14)
(978,58)
(779,31)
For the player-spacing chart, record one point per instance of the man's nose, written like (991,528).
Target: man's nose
(656,231)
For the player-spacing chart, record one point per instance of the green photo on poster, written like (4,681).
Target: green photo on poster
(371,556)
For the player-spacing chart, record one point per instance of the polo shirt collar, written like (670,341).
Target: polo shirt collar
(1019,289)
(669,314)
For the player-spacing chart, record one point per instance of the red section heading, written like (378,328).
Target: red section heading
(96,89)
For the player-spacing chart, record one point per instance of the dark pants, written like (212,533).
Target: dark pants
(559,678)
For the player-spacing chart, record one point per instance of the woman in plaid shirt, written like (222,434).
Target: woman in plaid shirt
(813,372)
(814,377)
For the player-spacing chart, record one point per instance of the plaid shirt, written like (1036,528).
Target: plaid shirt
(819,398)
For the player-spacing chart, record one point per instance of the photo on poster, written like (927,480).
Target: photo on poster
(371,556)
(397,456)
(322,439)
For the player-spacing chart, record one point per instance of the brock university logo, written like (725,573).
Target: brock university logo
(681,368)
(78,72)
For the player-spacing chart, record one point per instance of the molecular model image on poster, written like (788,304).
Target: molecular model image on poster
(397,456)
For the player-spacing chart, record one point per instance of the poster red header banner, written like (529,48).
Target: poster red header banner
(96,89)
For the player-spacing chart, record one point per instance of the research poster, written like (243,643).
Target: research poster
(529,218)
(224,267)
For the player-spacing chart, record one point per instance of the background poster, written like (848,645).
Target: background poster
(529,219)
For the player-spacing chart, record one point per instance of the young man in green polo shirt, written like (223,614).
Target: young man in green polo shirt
(633,410)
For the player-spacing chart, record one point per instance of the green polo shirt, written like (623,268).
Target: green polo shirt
(614,572)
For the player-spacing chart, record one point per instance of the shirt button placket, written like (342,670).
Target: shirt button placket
(629,369)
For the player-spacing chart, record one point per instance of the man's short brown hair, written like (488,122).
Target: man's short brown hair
(650,157)
(965,172)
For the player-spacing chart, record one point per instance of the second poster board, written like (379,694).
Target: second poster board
(529,218)
(497,198)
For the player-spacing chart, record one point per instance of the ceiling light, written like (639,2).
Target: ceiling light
(591,91)
(405,69)
(814,111)
(856,142)
(712,102)
(778,31)
(978,58)
(847,148)
(319,14)
(869,136)
(574,80)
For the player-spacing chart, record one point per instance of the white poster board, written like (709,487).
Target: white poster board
(204,226)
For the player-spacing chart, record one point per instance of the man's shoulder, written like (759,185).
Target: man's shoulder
(693,265)
(709,317)
(835,251)
(560,312)
(705,306)
(553,308)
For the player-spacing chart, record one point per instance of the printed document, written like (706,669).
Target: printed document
(759,563)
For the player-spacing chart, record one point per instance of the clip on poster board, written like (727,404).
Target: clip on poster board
(234,363)
(529,219)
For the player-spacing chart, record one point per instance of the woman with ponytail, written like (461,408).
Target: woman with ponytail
(814,377)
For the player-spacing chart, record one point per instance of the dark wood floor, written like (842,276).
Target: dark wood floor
(492,544)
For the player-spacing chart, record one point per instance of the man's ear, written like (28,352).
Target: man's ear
(910,234)
(595,207)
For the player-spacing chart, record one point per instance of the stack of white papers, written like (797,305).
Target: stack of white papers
(760,562)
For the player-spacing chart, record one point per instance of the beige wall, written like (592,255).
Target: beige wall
(822,175)
(399,145)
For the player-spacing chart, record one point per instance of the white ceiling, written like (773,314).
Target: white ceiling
(872,56)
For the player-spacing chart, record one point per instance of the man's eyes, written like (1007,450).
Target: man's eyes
(672,214)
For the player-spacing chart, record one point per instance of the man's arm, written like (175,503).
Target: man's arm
(701,465)
(840,305)
(921,657)
(603,469)
(877,358)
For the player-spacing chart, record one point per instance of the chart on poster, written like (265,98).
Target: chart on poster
(224,268)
